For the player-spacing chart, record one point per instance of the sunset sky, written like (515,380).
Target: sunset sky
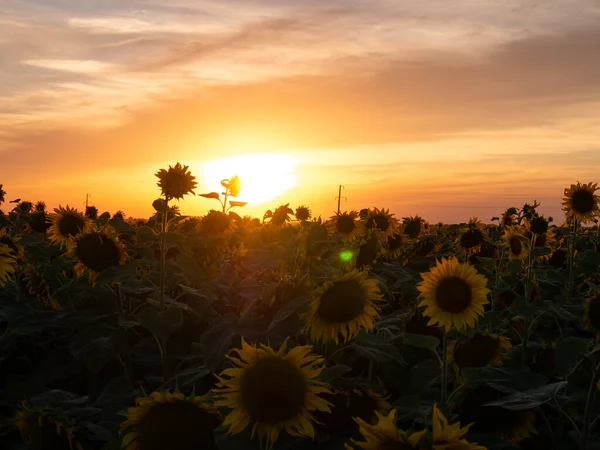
(448,109)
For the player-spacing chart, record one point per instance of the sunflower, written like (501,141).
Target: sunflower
(41,429)
(508,217)
(272,391)
(345,224)
(2,194)
(395,244)
(12,242)
(233,186)
(384,435)
(472,235)
(215,223)
(37,286)
(369,249)
(343,305)
(166,420)
(580,202)
(412,226)
(450,437)
(281,214)
(382,221)
(518,245)
(481,350)
(538,225)
(558,259)
(38,222)
(303,213)
(347,405)
(506,424)
(591,314)
(176,182)
(97,251)
(66,224)
(8,263)
(453,294)
(313,239)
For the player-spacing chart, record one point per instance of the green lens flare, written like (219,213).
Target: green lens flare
(346,255)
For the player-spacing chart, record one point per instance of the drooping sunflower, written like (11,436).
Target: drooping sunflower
(303,213)
(412,226)
(12,242)
(580,202)
(509,425)
(382,221)
(537,225)
(345,224)
(384,435)
(450,437)
(8,264)
(343,306)
(97,251)
(272,391)
(66,224)
(369,249)
(472,235)
(508,218)
(41,429)
(176,182)
(165,420)
(2,194)
(518,245)
(37,286)
(591,313)
(348,404)
(395,244)
(453,294)
(480,350)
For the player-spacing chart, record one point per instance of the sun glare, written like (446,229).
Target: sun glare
(264,176)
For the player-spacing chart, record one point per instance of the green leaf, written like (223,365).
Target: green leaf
(568,352)
(115,274)
(530,399)
(420,377)
(146,234)
(172,239)
(161,323)
(331,373)
(514,266)
(287,310)
(93,349)
(239,204)
(475,376)
(375,349)
(490,320)
(421,341)
(214,195)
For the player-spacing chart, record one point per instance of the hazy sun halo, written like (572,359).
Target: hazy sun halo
(264,176)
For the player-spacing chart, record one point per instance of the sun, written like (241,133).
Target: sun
(264,176)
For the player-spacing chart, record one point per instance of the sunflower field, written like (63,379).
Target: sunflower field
(288,332)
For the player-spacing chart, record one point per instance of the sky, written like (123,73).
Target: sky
(444,109)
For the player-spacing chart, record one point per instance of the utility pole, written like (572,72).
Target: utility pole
(339,197)
(86,200)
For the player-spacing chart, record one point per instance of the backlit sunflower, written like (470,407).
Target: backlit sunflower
(272,391)
(384,435)
(12,242)
(345,224)
(538,225)
(481,350)
(517,243)
(412,226)
(347,405)
(38,222)
(450,437)
(176,182)
(591,313)
(472,235)
(370,247)
(395,244)
(8,264)
(507,424)
(343,306)
(382,221)
(37,286)
(97,251)
(303,213)
(580,202)
(66,224)
(453,294)
(233,186)
(215,223)
(172,421)
(2,194)
(42,430)
(508,217)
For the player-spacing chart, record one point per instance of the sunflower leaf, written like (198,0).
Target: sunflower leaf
(430,343)
(234,203)
(568,352)
(214,195)
(161,323)
(530,399)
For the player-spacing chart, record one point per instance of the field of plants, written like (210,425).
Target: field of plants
(358,331)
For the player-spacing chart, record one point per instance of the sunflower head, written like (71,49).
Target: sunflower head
(448,436)
(215,223)
(472,235)
(2,194)
(315,238)
(508,217)
(12,242)
(480,350)
(40,206)
(346,405)
(384,435)
(97,251)
(425,246)
(396,243)
(176,182)
(8,263)
(281,214)
(558,259)
(382,221)
(412,226)
(233,186)
(272,391)
(37,286)
(162,419)
(538,225)
(91,212)
(343,306)
(591,313)
(580,202)
(42,429)
(368,251)
(453,294)
(303,213)
(345,224)
(517,243)
(25,207)
(66,224)
(38,222)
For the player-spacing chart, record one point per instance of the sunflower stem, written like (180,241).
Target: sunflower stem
(528,297)
(585,431)
(572,256)
(444,370)
(163,254)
